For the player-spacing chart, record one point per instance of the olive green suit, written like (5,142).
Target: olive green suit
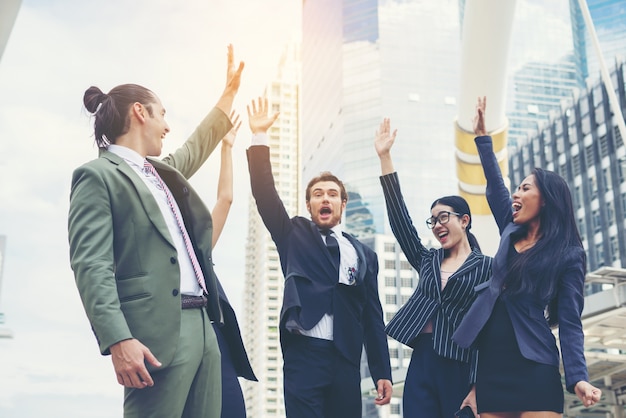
(123,257)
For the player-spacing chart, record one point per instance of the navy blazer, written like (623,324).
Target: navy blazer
(533,334)
(312,287)
(445,308)
(232,335)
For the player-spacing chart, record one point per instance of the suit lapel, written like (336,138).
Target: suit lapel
(436,266)
(469,264)
(143,194)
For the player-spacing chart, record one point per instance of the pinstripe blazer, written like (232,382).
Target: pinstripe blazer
(444,307)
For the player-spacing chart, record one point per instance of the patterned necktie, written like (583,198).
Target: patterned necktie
(149,168)
(333,246)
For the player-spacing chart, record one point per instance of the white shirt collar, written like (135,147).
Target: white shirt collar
(127,154)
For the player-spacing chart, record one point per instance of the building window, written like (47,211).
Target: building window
(393,353)
(390,264)
(390,247)
(405,265)
(407,282)
(600,254)
(597,221)
(390,299)
(390,281)
(614,247)
(394,409)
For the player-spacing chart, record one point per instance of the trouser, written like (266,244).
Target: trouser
(190,386)
(434,386)
(319,382)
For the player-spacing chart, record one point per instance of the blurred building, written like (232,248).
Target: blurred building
(538,88)
(609,19)
(364,60)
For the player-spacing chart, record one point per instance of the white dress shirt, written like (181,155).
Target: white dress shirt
(188,280)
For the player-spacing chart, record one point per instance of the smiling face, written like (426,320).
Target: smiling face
(527,202)
(155,127)
(325,204)
(451,233)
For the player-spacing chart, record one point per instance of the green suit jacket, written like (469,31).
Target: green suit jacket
(123,257)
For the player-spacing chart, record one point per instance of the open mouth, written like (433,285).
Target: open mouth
(325,211)
(516,207)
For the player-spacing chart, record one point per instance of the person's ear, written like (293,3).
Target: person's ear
(139,111)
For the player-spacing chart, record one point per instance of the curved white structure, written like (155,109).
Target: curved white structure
(487,28)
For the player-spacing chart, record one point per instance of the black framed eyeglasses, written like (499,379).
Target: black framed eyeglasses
(443,218)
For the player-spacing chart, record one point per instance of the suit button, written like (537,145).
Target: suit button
(175,292)
(172,260)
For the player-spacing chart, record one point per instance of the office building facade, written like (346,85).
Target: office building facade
(584,146)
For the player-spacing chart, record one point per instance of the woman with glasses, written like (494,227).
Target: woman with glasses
(438,377)
(538,280)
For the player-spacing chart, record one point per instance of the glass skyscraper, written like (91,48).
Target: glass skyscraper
(364,60)
(609,20)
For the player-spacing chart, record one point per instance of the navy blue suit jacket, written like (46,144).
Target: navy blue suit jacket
(312,288)
(534,337)
(232,335)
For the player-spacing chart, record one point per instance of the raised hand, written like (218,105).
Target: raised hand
(229,138)
(383,142)
(258,118)
(479,118)
(384,137)
(233,76)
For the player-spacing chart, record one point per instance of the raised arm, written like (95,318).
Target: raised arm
(225,182)
(399,218)
(497,194)
(383,143)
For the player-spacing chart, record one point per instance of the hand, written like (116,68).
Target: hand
(384,138)
(258,119)
(233,77)
(470,400)
(587,393)
(229,138)
(384,392)
(479,118)
(128,361)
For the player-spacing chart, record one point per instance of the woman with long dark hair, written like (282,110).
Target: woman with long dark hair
(440,372)
(537,283)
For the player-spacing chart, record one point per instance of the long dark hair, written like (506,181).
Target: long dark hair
(111,110)
(459,205)
(535,270)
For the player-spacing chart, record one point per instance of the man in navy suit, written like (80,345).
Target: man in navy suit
(331,306)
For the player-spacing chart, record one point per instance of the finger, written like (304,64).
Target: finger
(145,378)
(248,110)
(266,105)
(230,56)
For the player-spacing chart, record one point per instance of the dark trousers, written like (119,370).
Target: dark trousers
(435,386)
(233,404)
(319,382)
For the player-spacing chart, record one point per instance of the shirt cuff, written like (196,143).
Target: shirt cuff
(260,139)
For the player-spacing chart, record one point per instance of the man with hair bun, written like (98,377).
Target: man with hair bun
(140,247)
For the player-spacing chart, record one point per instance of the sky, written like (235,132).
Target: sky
(52,367)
